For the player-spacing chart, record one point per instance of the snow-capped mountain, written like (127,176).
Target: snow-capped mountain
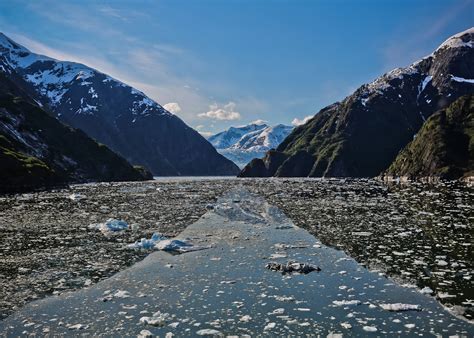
(113,113)
(241,144)
(361,135)
(229,137)
(38,151)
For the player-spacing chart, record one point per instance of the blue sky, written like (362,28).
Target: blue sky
(222,63)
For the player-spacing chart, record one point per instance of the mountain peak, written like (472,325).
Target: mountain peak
(461,39)
(241,144)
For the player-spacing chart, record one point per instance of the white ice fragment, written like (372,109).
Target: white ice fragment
(245,319)
(76,197)
(77,327)
(121,294)
(346,325)
(284,299)
(346,302)
(145,334)
(111,225)
(427,290)
(278,311)
(208,332)
(145,243)
(361,233)
(157,319)
(409,326)
(370,328)
(400,307)
(269,326)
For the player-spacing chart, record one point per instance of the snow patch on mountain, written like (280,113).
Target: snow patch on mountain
(53,79)
(460,79)
(459,40)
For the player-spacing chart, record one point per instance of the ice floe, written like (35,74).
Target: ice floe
(161,242)
(110,226)
(292,267)
(395,307)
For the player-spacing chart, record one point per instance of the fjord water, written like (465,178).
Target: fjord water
(227,290)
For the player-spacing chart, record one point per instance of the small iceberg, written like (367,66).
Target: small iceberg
(76,197)
(292,267)
(161,242)
(111,225)
(395,307)
(146,243)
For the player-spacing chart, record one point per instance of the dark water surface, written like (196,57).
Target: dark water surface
(227,289)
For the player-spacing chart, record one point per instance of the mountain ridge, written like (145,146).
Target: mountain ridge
(361,135)
(444,146)
(115,114)
(241,144)
(38,151)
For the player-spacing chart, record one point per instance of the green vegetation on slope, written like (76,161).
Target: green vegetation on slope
(37,151)
(443,148)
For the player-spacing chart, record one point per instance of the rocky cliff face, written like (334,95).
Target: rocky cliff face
(115,114)
(361,135)
(38,151)
(444,146)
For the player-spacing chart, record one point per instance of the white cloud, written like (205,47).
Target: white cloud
(173,107)
(225,113)
(259,121)
(298,122)
(206,134)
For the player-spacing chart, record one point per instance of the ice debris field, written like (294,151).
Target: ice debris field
(258,275)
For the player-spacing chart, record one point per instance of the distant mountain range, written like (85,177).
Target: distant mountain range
(241,144)
(113,113)
(362,135)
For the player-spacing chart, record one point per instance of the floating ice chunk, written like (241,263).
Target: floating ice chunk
(427,290)
(361,233)
(145,243)
(245,319)
(370,328)
(346,302)
(111,225)
(284,299)
(121,294)
(77,327)
(269,326)
(157,319)
(444,295)
(400,307)
(291,267)
(409,326)
(278,311)
(346,325)
(160,242)
(145,334)
(116,225)
(228,282)
(76,197)
(208,332)
(174,245)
